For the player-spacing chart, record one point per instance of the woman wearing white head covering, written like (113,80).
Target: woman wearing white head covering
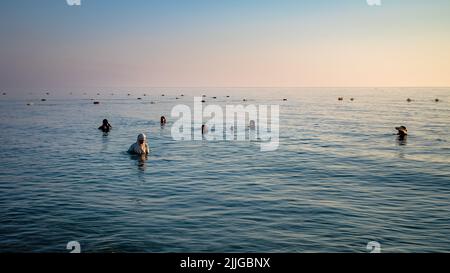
(141,146)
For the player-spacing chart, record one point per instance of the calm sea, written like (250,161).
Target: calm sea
(339,179)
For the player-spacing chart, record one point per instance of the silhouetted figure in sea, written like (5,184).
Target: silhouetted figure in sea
(105,127)
(204,129)
(140,147)
(252,125)
(402,133)
(163,121)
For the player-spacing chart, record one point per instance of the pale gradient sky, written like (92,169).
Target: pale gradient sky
(235,43)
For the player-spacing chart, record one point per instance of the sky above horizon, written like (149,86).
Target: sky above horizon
(224,43)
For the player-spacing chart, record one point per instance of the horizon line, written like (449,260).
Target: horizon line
(260,87)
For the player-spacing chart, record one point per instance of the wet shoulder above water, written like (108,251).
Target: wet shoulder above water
(339,178)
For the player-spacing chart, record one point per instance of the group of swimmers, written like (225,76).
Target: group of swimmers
(141,147)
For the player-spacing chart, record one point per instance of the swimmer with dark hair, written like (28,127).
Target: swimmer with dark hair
(163,120)
(252,125)
(402,132)
(204,129)
(106,127)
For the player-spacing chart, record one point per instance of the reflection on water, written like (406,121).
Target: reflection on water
(140,161)
(402,140)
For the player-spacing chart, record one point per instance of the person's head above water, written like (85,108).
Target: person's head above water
(105,127)
(163,120)
(140,146)
(401,131)
(142,138)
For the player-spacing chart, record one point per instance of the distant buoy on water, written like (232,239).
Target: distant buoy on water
(437,100)
(409,100)
(30,104)
(214,97)
(152,102)
(139,98)
(228,96)
(284,99)
(244,100)
(340,98)
(43,100)
(182,95)
(96,102)
(203,101)
(163,95)
(4,94)
(352,99)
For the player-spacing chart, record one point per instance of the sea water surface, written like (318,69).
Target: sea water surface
(338,180)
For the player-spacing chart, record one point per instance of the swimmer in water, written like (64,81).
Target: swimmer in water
(163,120)
(402,132)
(252,125)
(204,129)
(140,147)
(106,127)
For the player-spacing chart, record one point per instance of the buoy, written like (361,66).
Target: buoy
(152,102)
(409,100)
(352,99)
(436,100)
(30,103)
(43,100)
(4,94)
(284,99)
(139,98)
(182,95)
(214,97)
(340,98)
(203,101)
(228,96)
(96,102)
(244,100)
(162,95)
